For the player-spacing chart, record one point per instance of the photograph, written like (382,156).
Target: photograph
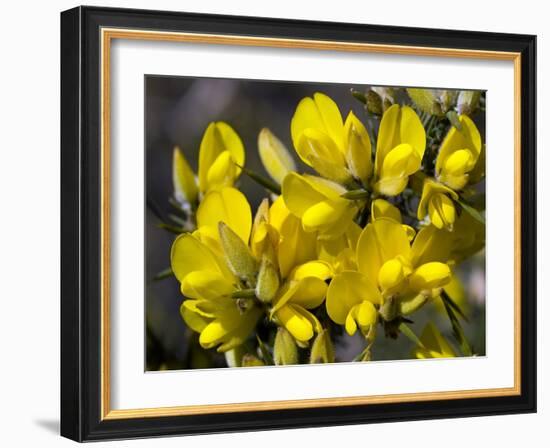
(304,223)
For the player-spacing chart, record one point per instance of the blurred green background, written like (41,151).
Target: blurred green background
(177,112)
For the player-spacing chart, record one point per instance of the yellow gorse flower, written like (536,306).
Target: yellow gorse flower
(221,154)
(338,151)
(207,282)
(389,268)
(437,202)
(459,154)
(319,204)
(399,149)
(268,255)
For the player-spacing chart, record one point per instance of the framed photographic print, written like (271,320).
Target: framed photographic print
(274,224)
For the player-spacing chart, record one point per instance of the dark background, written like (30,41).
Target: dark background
(178,110)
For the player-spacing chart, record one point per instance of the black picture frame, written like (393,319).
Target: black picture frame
(81,224)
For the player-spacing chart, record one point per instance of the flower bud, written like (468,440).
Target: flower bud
(285,350)
(268,282)
(238,257)
(322,350)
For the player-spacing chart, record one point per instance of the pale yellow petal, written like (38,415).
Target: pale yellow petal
(277,160)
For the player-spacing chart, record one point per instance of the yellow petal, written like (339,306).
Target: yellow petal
(329,216)
(222,172)
(381,208)
(242,332)
(188,254)
(275,157)
(431,244)
(399,125)
(442,211)
(227,205)
(459,162)
(295,246)
(208,284)
(308,293)
(217,138)
(314,142)
(232,143)
(346,290)
(429,276)
(299,194)
(380,241)
(306,116)
(297,323)
(358,149)
(193,320)
(431,188)
(183,178)
(316,268)
(467,139)
(362,315)
(216,330)
(391,274)
(331,117)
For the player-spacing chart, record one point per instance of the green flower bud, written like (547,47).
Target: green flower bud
(285,350)
(322,350)
(268,281)
(374,103)
(237,254)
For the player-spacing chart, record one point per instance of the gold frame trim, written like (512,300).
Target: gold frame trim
(107,35)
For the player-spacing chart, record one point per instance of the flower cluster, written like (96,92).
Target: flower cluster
(365,234)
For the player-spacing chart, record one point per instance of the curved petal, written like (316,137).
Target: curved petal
(441,210)
(296,322)
(207,285)
(380,208)
(222,172)
(468,138)
(429,276)
(399,125)
(346,290)
(331,117)
(362,315)
(227,205)
(295,246)
(310,293)
(315,268)
(358,149)
(183,178)
(232,143)
(380,241)
(188,254)
(412,131)
(299,194)
(275,156)
(193,320)
(431,244)
(306,116)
